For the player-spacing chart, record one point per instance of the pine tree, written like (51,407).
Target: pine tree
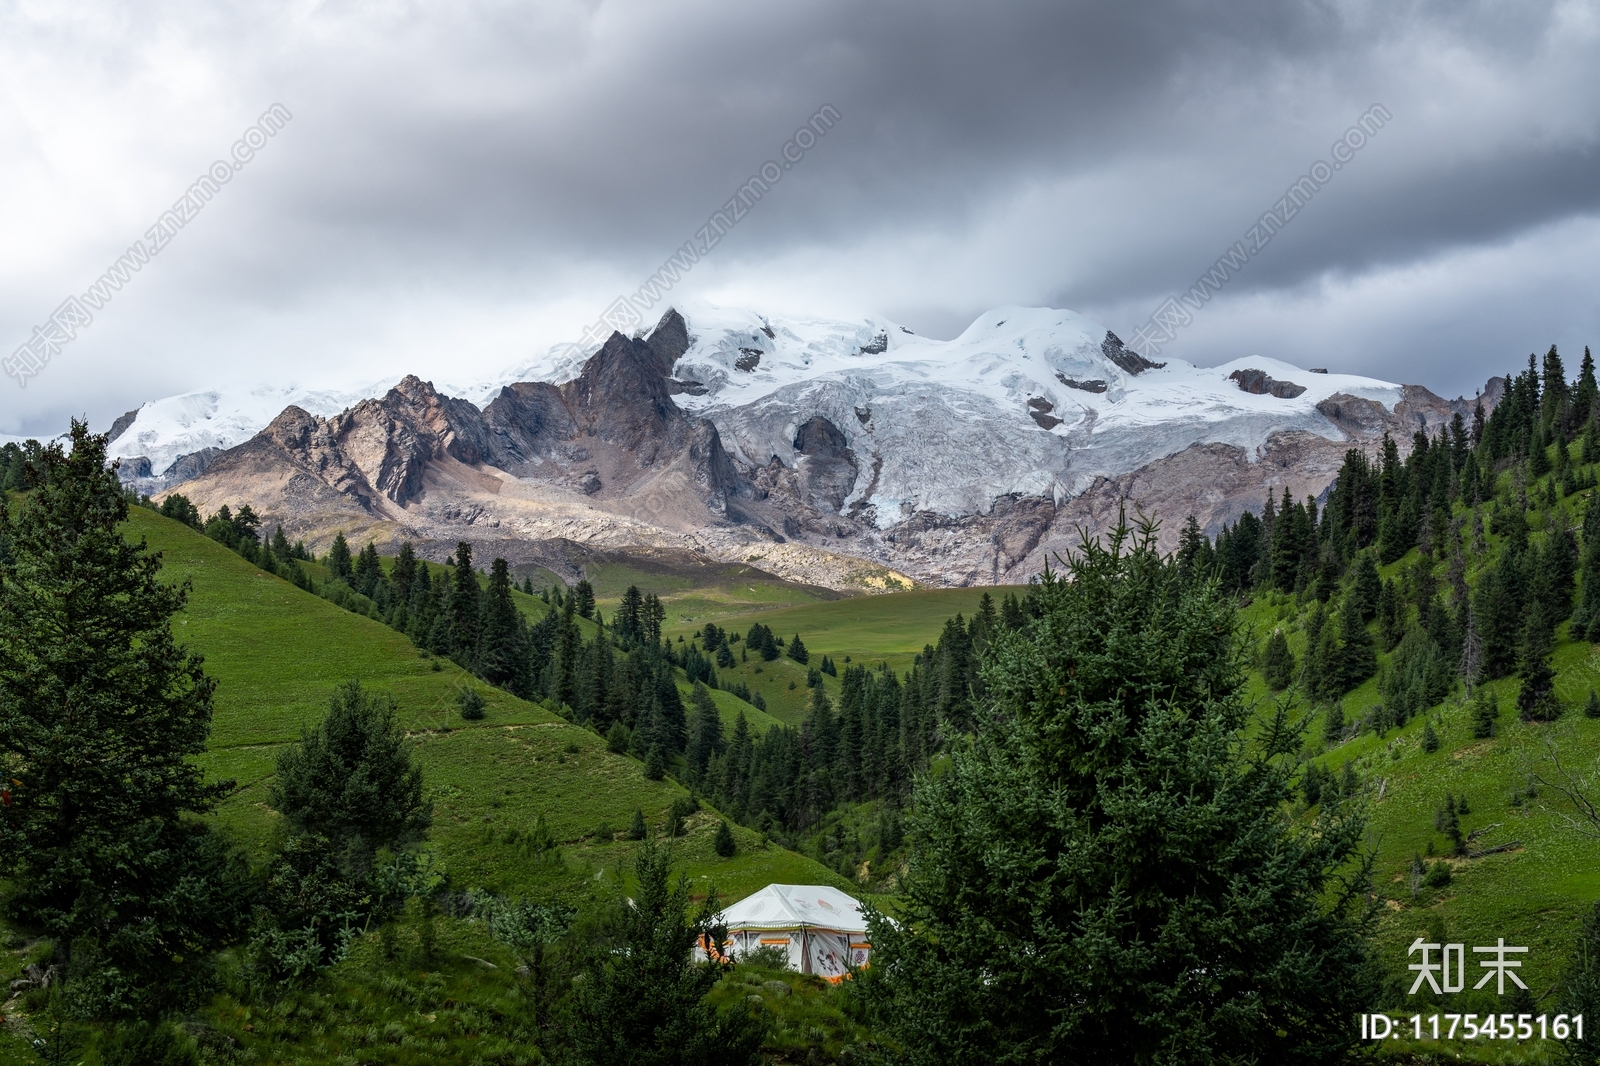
(1591,709)
(705,734)
(644,1000)
(463,606)
(351,780)
(502,644)
(655,764)
(1536,700)
(1430,739)
(797,651)
(1485,713)
(339,557)
(637,830)
(1367,588)
(1277,662)
(101,716)
(723,843)
(583,597)
(1357,658)
(1113,738)
(368,571)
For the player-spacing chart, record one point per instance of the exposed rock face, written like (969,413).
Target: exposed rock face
(827,466)
(1259,383)
(612,435)
(853,479)
(1125,357)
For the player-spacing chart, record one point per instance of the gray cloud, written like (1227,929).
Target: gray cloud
(465,184)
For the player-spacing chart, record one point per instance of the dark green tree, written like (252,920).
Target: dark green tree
(1367,588)
(583,597)
(1113,838)
(101,716)
(339,562)
(464,606)
(797,650)
(502,646)
(367,571)
(1536,699)
(723,843)
(1485,712)
(643,1001)
(637,830)
(351,780)
(1277,662)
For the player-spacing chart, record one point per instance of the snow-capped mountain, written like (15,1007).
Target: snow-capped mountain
(815,445)
(1027,400)
(955,423)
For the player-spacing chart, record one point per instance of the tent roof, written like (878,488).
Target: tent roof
(793,906)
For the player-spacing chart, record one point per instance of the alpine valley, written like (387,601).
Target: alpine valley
(851,455)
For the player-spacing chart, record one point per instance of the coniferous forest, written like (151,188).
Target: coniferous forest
(1216,728)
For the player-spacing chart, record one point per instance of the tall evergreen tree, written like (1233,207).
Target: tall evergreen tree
(101,716)
(350,779)
(339,557)
(1113,840)
(502,636)
(464,607)
(643,1001)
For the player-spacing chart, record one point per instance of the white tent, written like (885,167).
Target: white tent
(820,930)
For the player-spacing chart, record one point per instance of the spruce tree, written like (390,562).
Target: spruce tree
(1591,709)
(502,637)
(637,830)
(655,764)
(368,571)
(1356,658)
(1111,754)
(102,713)
(583,599)
(723,843)
(1367,589)
(339,557)
(1536,700)
(351,781)
(1485,713)
(1430,739)
(644,1000)
(1277,662)
(464,608)
(1578,991)
(797,651)
(706,739)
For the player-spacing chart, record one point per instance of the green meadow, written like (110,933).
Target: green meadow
(277,653)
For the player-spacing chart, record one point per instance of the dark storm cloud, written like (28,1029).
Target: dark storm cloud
(464,172)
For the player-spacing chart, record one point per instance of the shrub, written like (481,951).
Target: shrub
(471,704)
(617,739)
(724,842)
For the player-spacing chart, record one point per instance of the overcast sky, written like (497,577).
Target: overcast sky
(463,185)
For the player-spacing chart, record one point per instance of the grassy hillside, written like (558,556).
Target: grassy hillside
(1534,894)
(891,628)
(277,653)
